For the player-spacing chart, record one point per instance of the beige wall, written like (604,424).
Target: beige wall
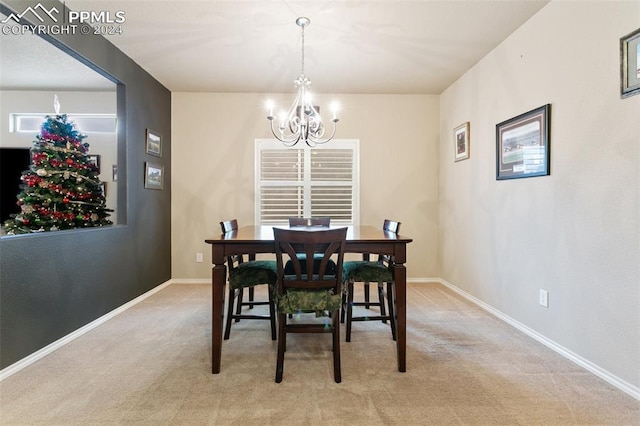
(213,168)
(576,232)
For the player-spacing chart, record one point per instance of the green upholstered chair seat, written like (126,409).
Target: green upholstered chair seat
(254,272)
(321,302)
(362,271)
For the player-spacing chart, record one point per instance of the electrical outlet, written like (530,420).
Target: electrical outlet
(544,298)
(199,257)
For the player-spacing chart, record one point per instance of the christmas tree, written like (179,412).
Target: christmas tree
(61,189)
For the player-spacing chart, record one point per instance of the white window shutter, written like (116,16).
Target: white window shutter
(308,182)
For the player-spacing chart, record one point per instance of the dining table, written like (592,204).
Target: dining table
(259,239)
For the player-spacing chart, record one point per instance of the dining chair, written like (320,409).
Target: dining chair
(310,221)
(302,295)
(247,274)
(366,271)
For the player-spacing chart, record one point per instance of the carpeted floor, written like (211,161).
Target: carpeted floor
(152,365)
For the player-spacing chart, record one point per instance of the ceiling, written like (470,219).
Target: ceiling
(32,63)
(351,46)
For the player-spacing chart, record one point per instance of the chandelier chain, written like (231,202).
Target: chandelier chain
(302,26)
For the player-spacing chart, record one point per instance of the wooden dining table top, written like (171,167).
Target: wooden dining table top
(265,233)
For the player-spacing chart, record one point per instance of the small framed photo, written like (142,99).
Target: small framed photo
(461,141)
(114,172)
(153,175)
(154,143)
(522,145)
(95,159)
(630,64)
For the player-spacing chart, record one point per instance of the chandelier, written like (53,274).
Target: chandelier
(303,121)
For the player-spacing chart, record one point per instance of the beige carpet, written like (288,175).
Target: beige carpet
(152,365)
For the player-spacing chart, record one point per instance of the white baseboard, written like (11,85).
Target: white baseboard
(191,280)
(423,280)
(624,386)
(30,359)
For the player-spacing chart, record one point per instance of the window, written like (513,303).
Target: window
(307,182)
(85,123)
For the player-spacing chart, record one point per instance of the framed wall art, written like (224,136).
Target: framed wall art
(461,142)
(95,159)
(522,145)
(154,143)
(153,175)
(630,64)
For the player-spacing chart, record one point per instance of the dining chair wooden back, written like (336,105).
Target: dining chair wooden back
(247,274)
(302,294)
(366,271)
(391,226)
(310,221)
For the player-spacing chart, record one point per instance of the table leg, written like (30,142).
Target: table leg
(400,278)
(218,281)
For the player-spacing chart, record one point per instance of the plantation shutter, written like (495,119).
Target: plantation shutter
(281,184)
(306,182)
(332,184)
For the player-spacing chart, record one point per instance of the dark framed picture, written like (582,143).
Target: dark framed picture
(522,145)
(461,141)
(153,175)
(154,143)
(95,159)
(630,64)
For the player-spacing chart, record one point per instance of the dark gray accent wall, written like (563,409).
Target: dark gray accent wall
(53,283)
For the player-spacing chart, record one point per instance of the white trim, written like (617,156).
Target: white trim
(191,281)
(624,386)
(30,359)
(423,280)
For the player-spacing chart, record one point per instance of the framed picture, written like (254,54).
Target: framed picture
(114,172)
(522,145)
(461,141)
(95,159)
(630,64)
(153,175)
(154,143)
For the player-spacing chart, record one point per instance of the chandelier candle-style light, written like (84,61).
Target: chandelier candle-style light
(303,121)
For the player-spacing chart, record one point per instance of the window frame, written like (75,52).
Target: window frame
(347,144)
(16,118)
